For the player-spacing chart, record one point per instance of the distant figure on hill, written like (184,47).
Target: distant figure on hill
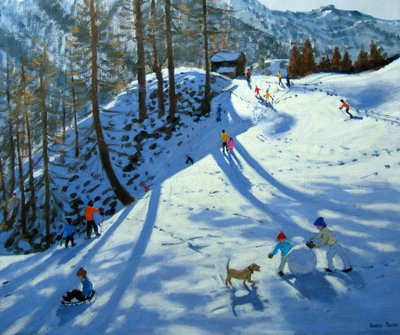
(288,80)
(90,223)
(248,75)
(145,187)
(280,78)
(224,138)
(257,91)
(346,106)
(231,144)
(219,111)
(189,159)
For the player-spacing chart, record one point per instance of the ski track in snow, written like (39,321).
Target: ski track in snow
(159,266)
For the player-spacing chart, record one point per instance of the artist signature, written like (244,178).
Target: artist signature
(387,324)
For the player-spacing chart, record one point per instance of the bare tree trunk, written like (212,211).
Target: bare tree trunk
(10,130)
(170,56)
(3,194)
(74,109)
(207,88)
(46,178)
(21,181)
(119,191)
(64,120)
(141,61)
(28,129)
(157,66)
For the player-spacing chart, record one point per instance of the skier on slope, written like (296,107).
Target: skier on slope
(268,97)
(87,292)
(346,106)
(288,80)
(219,111)
(284,246)
(248,75)
(279,74)
(90,223)
(230,144)
(326,238)
(257,91)
(224,139)
(67,232)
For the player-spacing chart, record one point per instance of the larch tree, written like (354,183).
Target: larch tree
(362,62)
(336,63)
(157,62)
(376,59)
(308,60)
(295,62)
(170,59)
(86,35)
(347,63)
(46,74)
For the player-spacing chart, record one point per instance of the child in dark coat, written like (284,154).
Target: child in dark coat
(87,288)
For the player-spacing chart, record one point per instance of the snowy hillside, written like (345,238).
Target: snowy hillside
(159,266)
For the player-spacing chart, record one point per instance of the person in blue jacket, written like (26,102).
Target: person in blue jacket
(87,288)
(284,246)
(68,232)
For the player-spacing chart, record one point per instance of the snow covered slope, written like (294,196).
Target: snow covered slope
(159,266)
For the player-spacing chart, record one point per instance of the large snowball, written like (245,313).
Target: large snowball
(302,260)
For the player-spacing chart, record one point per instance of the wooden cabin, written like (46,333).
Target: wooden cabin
(229,63)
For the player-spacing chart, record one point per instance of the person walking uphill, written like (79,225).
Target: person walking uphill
(346,106)
(326,238)
(224,139)
(67,232)
(280,78)
(90,223)
(284,246)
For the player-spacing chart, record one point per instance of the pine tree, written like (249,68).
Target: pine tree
(85,38)
(347,63)
(308,61)
(336,63)
(324,63)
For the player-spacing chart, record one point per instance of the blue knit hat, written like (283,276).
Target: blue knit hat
(320,222)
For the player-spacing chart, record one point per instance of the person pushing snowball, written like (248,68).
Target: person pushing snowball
(284,246)
(326,238)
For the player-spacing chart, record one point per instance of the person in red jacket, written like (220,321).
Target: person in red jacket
(90,223)
(346,106)
(257,90)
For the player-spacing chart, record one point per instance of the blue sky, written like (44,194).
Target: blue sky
(384,9)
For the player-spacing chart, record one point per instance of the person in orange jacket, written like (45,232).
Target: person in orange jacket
(224,138)
(90,223)
(346,106)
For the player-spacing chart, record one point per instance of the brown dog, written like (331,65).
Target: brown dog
(244,274)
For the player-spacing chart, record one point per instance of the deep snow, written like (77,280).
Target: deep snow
(159,266)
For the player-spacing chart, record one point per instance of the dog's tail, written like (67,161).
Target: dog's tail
(227,265)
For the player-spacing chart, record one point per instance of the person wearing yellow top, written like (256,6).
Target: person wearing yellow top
(268,97)
(280,78)
(224,138)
